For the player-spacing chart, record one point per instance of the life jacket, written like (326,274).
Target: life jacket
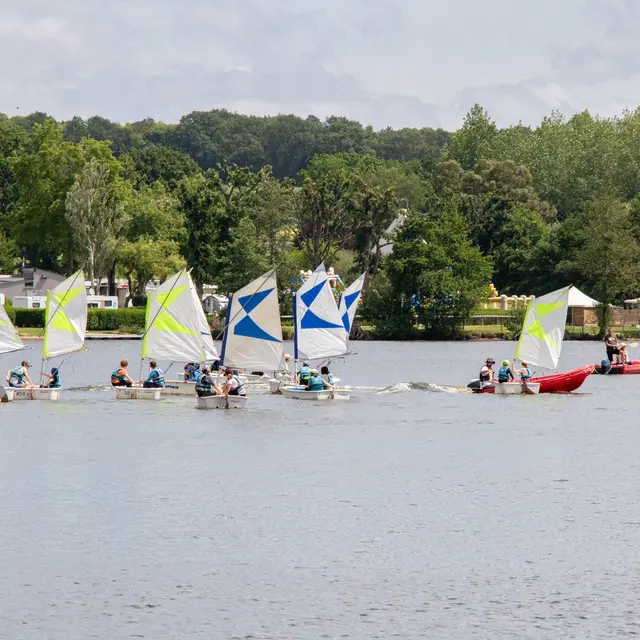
(503,374)
(54,382)
(18,374)
(118,376)
(239,389)
(525,374)
(158,378)
(305,373)
(327,377)
(315,383)
(203,385)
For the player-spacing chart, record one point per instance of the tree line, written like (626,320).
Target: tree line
(229,195)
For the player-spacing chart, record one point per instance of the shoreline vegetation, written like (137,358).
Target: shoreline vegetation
(230,196)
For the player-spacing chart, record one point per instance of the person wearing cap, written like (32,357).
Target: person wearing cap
(19,377)
(191,372)
(486,373)
(317,382)
(504,372)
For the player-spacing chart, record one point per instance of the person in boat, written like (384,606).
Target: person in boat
(612,345)
(287,360)
(304,374)
(524,372)
(19,377)
(233,386)
(53,380)
(623,356)
(326,375)
(487,375)
(192,373)
(317,382)
(206,385)
(216,365)
(504,372)
(155,379)
(120,377)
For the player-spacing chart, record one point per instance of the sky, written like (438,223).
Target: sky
(388,63)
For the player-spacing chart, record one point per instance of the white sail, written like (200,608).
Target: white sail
(66,317)
(349,302)
(253,335)
(174,328)
(9,338)
(210,352)
(542,333)
(319,332)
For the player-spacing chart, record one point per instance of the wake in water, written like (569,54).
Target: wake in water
(404,387)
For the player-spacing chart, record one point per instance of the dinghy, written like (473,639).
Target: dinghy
(9,342)
(319,331)
(176,330)
(540,345)
(252,337)
(64,332)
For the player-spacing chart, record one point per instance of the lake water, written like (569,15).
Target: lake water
(407,512)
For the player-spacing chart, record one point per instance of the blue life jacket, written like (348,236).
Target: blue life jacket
(504,374)
(316,383)
(197,374)
(525,374)
(54,381)
(305,374)
(204,385)
(156,376)
(18,374)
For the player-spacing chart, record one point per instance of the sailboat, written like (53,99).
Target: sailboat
(9,342)
(252,336)
(319,332)
(540,345)
(176,330)
(64,332)
(349,303)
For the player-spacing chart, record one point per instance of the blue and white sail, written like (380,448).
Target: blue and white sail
(253,335)
(349,303)
(319,331)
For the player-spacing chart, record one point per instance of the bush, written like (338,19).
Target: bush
(98,319)
(28,318)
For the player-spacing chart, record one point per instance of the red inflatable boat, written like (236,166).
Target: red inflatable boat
(631,368)
(557,382)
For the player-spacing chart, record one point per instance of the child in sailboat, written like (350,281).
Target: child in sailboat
(326,375)
(206,385)
(120,377)
(233,386)
(155,380)
(52,380)
(317,382)
(19,377)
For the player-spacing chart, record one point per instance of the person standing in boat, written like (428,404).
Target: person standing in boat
(19,377)
(120,377)
(487,375)
(504,372)
(612,345)
(155,380)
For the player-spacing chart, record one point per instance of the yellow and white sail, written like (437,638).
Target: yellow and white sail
(176,327)
(9,338)
(542,333)
(66,317)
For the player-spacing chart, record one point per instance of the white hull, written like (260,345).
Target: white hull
(52,395)
(300,393)
(6,394)
(517,388)
(222,402)
(137,393)
(179,388)
(23,394)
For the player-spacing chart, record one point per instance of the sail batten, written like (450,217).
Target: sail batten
(9,338)
(176,327)
(253,334)
(320,331)
(542,332)
(66,317)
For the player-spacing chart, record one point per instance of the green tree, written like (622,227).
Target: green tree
(94,211)
(474,140)
(158,162)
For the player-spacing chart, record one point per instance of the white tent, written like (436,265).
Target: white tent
(579,299)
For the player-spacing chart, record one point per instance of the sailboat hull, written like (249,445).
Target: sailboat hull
(301,393)
(557,382)
(137,393)
(23,394)
(6,394)
(51,395)
(517,388)
(179,388)
(222,402)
